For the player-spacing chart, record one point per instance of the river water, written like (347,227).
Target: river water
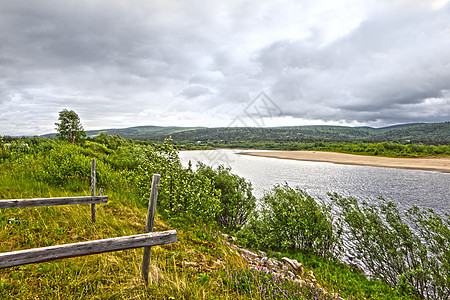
(426,189)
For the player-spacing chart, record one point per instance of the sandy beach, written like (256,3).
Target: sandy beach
(441,164)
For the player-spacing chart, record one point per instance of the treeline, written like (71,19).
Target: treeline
(413,258)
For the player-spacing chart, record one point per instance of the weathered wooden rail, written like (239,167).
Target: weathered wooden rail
(35,202)
(37,255)
(146,240)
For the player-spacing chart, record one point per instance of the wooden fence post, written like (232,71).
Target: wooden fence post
(149,225)
(93,188)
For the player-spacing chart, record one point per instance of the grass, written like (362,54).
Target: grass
(175,269)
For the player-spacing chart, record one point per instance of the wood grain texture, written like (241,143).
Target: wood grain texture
(93,189)
(150,223)
(22,257)
(11,203)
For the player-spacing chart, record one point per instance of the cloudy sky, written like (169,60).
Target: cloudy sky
(121,63)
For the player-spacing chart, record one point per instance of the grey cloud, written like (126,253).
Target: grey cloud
(122,57)
(383,69)
(195,91)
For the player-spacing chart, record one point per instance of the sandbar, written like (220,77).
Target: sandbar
(440,164)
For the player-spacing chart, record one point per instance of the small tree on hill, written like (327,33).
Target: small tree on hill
(70,127)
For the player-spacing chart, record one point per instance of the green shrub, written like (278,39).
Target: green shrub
(291,219)
(412,260)
(65,162)
(236,199)
(186,195)
(436,232)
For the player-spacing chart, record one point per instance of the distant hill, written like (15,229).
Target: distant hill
(432,133)
(138,132)
(436,133)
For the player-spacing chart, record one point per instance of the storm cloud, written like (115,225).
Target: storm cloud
(121,63)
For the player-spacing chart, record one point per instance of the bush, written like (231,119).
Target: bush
(436,232)
(65,162)
(291,219)
(189,196)
(412,260)
(236,199)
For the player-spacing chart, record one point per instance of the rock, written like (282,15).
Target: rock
(277,263)
(301,282)
(289,269)
(294,264)
(249,253)
(291,275)
(311,276)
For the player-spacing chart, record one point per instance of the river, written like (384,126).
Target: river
(426,189)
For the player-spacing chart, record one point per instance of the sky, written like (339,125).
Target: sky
(123,63)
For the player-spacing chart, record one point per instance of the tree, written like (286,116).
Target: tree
(70,127)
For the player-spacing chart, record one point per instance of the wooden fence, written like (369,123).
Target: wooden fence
(37,255)
(146,240)
(12,203)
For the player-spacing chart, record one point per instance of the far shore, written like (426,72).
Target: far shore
(441,164)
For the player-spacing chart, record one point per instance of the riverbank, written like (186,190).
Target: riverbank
(440,164)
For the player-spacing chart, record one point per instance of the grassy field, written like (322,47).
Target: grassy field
(175,269)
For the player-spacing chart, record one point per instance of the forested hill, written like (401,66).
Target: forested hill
(438,133)
(138,132)
(433,133)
